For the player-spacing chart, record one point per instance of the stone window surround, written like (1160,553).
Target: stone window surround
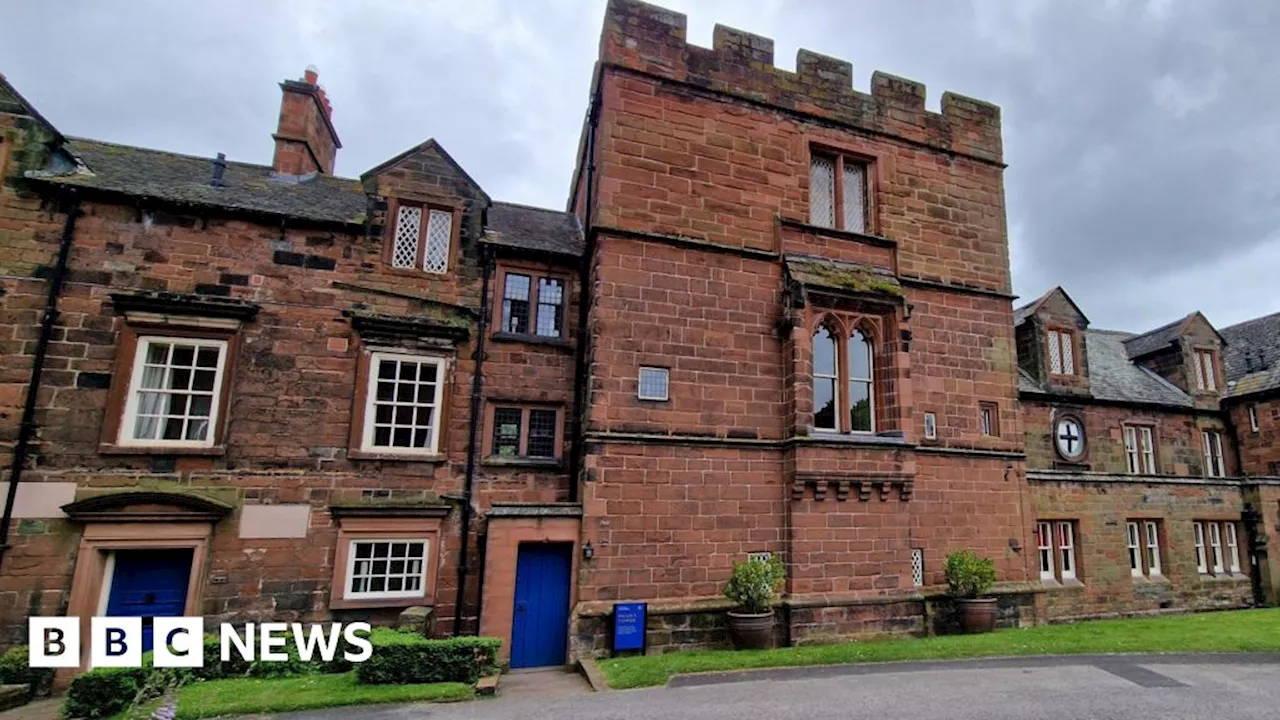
(100,538)
(1210,382)
(427,205)
(1054,521)
(356,528)
(1137,426)
(1237,569)
(840,152)
(988,406)
(492,404)
(535,271)
(1073,414)
(138,326)
(355,443)
(1146,570)
(842,324)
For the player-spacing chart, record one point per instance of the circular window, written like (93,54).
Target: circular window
(1068,437)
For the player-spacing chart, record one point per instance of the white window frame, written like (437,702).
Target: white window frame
(1233,547)
(1253,418)
(432,215)
(985,419)
(1135,548)
(348,594)
(1202,557)
(129,416)
(1139,449)
(1131,449)
(1213,466)
(869,381)
(1066,540)
(930,426)
(371,396)
(1044,550)
(1152,537)
(1215,547)
(666,383)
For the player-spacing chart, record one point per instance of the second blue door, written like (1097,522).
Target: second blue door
(540,625)
(149,584)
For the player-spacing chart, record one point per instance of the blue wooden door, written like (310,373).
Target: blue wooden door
(149,584)
(540,625)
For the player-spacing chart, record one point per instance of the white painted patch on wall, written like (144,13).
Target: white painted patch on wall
(263,522)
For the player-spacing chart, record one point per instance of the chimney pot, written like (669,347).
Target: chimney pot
(219,167)
(311,75)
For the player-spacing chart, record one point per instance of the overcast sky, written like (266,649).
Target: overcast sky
(1143,138)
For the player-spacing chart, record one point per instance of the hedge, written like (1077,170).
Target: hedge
(15,669)
(403,658)
(103,692)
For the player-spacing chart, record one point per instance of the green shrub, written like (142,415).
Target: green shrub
(103,692)
(968,574)
(406,658)
(753,584)
(15,669)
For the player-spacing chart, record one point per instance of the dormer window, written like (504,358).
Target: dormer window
(1061,353)
(838,192)
(1206,378)
(421,238)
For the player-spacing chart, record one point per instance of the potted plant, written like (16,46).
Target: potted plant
(970,576)
(752,587)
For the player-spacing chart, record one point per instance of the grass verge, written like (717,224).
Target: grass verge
(242,696)
(1232,631)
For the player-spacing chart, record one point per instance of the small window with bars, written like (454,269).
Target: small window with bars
(386,569)
(520,432)
(421,238)
(838,192)
(532,305)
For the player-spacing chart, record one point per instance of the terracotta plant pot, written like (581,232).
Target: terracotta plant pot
(751,631)
(977,615)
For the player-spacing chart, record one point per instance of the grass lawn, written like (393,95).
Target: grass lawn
(1233,631)
(241,696)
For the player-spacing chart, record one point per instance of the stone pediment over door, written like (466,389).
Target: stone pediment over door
(147,506)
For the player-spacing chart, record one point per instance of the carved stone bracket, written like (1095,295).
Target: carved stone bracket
(818,487)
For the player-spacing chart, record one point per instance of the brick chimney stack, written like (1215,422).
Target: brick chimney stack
(305,139)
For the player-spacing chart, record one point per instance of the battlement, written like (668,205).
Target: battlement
(651,39)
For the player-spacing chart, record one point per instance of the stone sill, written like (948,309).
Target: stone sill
(395,457)
(1239,577)
(113,449)
(1069,585)
(523,462)
(558,343)
(1150,580)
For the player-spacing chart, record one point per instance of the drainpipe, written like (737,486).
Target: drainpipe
(27,429)
(473,431)
(580,388)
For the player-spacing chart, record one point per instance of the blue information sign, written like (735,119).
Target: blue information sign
(628,626)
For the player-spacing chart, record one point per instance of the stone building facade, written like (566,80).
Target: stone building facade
(776,318)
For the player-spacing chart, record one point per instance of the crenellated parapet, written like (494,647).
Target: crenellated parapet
(651,39)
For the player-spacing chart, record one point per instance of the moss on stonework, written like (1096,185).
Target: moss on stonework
(856,279)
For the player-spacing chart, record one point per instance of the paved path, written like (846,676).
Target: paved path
(1183,687)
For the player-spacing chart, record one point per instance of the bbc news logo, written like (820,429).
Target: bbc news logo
(179,642)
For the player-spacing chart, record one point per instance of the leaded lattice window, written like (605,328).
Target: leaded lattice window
(917,567)
(439,235)
(408,227)
(822,191)
(854,196)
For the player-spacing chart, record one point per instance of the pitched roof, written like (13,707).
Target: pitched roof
(531,228)
(1252,355)
(12,101)
(1020,314)
(1113,376)
(185,180)
(1163,336)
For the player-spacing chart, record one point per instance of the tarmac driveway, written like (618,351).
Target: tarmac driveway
(1211,687)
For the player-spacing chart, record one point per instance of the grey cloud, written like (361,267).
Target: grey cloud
(1144,164)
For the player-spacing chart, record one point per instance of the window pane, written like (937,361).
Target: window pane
(506,432)
(1068,354)
(439,234)
(824,403)
(404,253)
(515,304)
(824,353)
(542,433)
(822,191)
(855,196)
(405,402)
(860,407)
(550,299)
(859,356)
(653,384)
(1055,353)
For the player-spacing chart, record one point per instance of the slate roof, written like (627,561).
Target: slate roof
(184,179)
(1252,355)
(532,228)
(1152,340)
(1113,376)
(835,275)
